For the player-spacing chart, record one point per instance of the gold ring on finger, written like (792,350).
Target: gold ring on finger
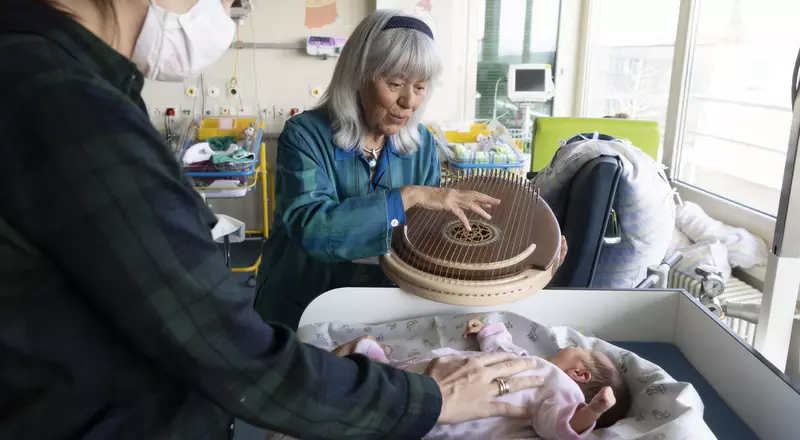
(503,386)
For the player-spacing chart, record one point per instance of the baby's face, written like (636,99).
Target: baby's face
(576,362)
(571,358)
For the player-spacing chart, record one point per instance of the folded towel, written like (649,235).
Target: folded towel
(237,156)
(497,154)
(205,151)
(222,143)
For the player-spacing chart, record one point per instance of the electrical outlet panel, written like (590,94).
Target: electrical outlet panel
(243,110)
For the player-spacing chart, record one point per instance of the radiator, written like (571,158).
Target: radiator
(736,291)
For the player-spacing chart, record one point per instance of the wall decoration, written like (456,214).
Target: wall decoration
(320,13)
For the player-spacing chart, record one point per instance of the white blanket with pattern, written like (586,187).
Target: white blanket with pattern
(662,408)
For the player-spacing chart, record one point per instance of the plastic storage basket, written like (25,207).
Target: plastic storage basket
(465,137)
(225,179)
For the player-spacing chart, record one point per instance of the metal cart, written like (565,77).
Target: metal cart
(233,180)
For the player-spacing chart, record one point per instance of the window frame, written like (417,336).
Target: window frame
(723,209)
(781,232)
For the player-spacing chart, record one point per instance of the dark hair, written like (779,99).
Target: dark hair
(605,375)
(106,8)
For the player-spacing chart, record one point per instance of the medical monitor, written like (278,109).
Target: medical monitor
(530,83)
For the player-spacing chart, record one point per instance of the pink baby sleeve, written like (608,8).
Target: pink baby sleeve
(551,420)
(496,337)
(372,350)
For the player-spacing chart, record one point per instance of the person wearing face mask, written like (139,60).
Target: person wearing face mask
(118,317)
(348,170)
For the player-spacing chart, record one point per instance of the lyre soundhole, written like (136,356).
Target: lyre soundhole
(482,233)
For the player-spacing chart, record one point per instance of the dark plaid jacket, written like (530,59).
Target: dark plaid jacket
(118,317)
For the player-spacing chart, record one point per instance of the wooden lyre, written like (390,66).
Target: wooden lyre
(502,260)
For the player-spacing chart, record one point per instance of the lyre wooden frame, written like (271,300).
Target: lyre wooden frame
(507,277)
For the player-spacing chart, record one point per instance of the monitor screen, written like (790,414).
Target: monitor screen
(529,80)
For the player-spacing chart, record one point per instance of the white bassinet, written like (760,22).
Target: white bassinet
(743,396)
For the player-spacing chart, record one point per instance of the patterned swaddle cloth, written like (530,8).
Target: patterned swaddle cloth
(662,409)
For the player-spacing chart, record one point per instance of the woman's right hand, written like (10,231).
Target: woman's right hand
(447,199)
(468,392)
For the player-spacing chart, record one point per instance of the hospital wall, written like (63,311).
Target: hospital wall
(283,78)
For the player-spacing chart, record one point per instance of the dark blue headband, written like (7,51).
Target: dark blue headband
(404,22)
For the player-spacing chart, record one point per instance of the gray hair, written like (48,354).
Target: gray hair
(369,54)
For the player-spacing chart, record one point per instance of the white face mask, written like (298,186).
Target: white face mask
(173,47)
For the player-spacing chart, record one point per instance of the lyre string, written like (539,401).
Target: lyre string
(424,228)
(534,211)
(519,216)
(511,228)
(476,183)
(465,178)
(512,247)
(498,216)
(502,221)
(526,213)
(531,201)
(485,184)
(414,229)
(507,236)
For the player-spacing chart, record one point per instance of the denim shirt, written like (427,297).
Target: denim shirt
(329,213)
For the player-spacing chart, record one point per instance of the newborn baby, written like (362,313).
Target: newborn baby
(582,390)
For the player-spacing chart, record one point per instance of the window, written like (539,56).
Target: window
(738,113)
(511,32)
(631,47)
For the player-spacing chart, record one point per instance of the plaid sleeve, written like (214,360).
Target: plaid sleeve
(326,229)
(105,201)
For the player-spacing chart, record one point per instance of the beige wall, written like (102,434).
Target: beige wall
(284,77)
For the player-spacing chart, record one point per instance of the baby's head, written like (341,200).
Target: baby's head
(593,371)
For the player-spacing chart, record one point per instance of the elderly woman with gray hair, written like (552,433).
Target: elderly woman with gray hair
(349,169)
(177,349)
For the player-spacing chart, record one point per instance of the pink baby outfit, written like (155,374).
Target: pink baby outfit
(553,403)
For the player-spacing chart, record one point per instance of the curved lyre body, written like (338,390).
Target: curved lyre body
(501,260)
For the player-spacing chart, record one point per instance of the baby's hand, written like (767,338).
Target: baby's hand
(603,401)
(474,326)
(348,348)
